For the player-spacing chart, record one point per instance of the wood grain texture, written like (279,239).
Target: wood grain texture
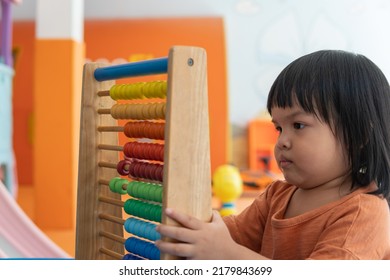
(187,178)
(88,224)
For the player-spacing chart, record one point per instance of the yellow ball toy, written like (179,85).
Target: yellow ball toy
(227,186)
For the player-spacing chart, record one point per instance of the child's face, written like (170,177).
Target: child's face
(307,151)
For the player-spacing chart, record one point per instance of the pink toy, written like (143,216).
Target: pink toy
(19,236)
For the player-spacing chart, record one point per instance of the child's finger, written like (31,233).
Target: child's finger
(184,219)
(176,249)
(216,217)
(177,233)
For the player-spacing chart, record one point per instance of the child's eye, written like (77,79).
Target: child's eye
(278,129)
(299,125)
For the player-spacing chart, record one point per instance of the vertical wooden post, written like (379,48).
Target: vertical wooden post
(89,191)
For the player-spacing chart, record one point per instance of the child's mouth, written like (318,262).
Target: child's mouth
(283,163)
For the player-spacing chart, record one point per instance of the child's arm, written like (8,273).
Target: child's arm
(200,240)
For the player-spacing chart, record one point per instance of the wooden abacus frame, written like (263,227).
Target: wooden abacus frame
(186,179)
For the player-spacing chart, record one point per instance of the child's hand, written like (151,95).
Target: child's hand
(196,239)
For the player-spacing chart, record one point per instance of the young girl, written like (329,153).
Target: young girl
(332,112)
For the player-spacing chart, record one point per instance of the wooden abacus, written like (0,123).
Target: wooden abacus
(173,172)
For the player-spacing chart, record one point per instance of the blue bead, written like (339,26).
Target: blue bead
(155,254)
(140,249)
(130,244)
(131,257)
(148,250)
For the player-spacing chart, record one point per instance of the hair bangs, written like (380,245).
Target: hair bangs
(303,84)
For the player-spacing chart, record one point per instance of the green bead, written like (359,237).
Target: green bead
(131,187)
(159,194)
(157,213)
(112,183)
(145,192)
(133,207)
(126,206)
(147,212)
(119,186)
(138,190)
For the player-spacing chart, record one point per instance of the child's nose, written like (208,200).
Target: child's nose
(284,141)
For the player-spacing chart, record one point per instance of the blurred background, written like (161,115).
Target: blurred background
(248,42)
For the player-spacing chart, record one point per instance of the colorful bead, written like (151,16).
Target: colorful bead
(142,248)
(140,90)
(131,257)
(144,210)
(123,167)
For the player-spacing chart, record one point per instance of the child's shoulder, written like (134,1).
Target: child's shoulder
(364,198)
(360,204)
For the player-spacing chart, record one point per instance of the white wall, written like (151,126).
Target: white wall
(260,44)
(135,8)
(263,36)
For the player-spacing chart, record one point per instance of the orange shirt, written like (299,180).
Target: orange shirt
(355,227)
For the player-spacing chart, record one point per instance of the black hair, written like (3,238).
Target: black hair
(352,95)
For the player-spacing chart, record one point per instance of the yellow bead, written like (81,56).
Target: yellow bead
(113,92)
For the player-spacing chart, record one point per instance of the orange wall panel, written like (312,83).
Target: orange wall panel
(23,39)
(57,67)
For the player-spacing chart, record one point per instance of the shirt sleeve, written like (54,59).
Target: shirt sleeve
(247,228)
